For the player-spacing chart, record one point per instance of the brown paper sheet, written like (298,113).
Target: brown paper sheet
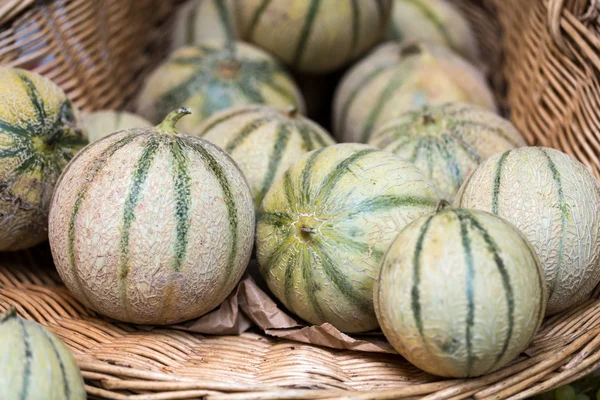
(250,305)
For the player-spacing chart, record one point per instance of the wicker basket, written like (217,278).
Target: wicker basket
(552,66)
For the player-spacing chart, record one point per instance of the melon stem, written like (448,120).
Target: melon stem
(428,118)
(441,205)
(291,111)
(54,137)
(168,125)
(10,313)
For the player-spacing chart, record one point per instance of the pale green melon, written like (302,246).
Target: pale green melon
(151,226)
(35,363)
(314,36)
(397,78)
(324,228)
(199,21)
(461,293)
(263,141)
(209,78)
(448,141)
(555,201)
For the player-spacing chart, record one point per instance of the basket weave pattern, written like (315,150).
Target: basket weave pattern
(99,51)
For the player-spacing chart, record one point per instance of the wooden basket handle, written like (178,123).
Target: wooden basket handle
(555,9)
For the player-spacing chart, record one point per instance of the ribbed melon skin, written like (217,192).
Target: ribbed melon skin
(461,293)
(314,36)
(396,78)
(436,21)
(209,78)
(104,122)
(263,141)
(36,364)
(555,201)
(151,228)
(200,21)
(324,227)
(39,134)
(447,142)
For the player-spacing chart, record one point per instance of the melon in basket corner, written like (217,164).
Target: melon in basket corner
(461,293)
(396,78)
(264,141)
(555,201)
(324,227)
(151,226)
(209,78)
(35,363)
(39,134)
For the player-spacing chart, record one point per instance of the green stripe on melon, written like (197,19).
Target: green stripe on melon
(209,78)
(437,21)
(200,21)
(264,141)
(105,212)
(315,35)
(397,78)
(448,141)
(555,201)
(36,364)
(324,227)
(461,293)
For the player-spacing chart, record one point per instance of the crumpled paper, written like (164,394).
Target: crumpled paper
(249,305)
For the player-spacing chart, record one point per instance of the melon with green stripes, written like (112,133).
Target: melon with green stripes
(104,122)
(461,293)
(35,363)
(314,36)
(436,21)
(199,21)
(448,141)
(396,78)
(209,78)
(39,134)
(555,201)
(324,227)
(152,226)
(264,141)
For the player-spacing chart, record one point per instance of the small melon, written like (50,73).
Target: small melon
(209,78)
(35,363)
(448,141)
(396,78)
(461,293)
(324,227)
(555,201)
(151,226)
(104,122)
(263,141)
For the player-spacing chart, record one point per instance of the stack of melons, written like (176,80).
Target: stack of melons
(433,221)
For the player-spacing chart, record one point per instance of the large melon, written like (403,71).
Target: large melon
(461,293)
(448,141)
(199,21)
(151,226)
(314,36)
(397,78)
(104,122)
(437,21)
(39,134)
(209,78)
(555,201)
(35,363)
(263,141)
(324,227)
